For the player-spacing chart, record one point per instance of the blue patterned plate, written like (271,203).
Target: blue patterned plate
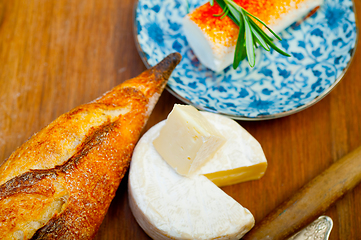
(321,47)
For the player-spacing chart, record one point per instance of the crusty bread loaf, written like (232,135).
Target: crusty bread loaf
(59,184)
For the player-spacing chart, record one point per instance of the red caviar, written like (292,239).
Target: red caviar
(225,30)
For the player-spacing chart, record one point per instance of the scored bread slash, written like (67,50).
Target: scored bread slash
(213,39)
(59,184)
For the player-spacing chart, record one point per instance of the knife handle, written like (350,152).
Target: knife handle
(311,200)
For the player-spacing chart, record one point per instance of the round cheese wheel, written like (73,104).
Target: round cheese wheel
(170,206)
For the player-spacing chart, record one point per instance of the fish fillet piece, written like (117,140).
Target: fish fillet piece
(213,39)
(59,184)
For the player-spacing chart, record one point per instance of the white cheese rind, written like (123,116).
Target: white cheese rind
(241,158)
(217,56)
(187,140)
(170,206)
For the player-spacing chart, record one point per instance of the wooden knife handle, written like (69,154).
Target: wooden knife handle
(311,200)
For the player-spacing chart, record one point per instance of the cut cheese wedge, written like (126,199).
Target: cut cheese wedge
(168,205)
(240,159)
(213,39)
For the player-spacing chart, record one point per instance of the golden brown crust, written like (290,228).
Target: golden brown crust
(60,183)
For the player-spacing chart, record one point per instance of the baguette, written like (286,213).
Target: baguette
(59,184)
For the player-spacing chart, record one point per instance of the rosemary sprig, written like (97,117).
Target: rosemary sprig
(250,34)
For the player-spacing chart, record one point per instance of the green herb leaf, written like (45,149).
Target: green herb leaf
(233,13)
(250,34)
(268,40)
(259,20)
(187,2)
(224,11)
(237,10)
(259,38)
(272,45)
(240,52)
(260,31)
(249,42)
(225,14)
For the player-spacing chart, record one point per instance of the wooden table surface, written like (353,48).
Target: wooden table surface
(57,54)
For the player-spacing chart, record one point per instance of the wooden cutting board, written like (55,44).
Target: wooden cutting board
(57,54)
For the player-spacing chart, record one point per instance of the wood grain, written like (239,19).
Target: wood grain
(56,55)
(312,200)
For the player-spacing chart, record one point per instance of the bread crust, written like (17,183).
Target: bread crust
(59,184)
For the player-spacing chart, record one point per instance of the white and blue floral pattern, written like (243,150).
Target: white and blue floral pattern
(321,47)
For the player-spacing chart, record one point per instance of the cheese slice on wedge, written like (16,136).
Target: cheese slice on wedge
(213,39)
(187,140)
(168,205)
